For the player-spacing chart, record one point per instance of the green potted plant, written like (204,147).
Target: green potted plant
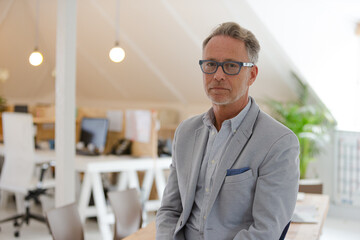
(311,123)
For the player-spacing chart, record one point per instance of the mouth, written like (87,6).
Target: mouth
(219,89)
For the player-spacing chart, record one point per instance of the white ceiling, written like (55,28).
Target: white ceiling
(320,36)
(162,40)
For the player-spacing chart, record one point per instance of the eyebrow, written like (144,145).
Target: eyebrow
(226,60)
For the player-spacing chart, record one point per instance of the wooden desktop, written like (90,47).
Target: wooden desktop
(297,231)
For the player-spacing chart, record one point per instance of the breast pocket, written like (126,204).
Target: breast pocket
(238,177)
(237,190)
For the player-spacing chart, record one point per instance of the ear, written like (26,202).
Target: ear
(253,75)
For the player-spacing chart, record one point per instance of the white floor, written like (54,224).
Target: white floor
(37,230)
(334,228)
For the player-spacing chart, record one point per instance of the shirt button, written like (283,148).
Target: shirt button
(213,161)
(206,189)
(213,132)
(204,217)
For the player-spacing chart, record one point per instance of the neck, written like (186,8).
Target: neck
(225,112)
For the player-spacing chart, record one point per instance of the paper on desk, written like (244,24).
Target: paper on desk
(138,125)
(115,118)
(305,214)
(300,196)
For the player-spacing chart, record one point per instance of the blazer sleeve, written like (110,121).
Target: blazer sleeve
(171,206)
(276,191)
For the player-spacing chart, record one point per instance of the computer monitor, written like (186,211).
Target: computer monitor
(94,131)
(21,108)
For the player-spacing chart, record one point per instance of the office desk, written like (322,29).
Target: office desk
(297,231)
(146,233)
(310,231)
(127,166)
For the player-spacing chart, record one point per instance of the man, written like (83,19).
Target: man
(234,172)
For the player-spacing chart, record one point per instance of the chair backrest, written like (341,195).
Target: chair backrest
(19,161)
(127,210)
(64,223)
(283,234)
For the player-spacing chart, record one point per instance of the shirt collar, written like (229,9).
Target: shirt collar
(209,118)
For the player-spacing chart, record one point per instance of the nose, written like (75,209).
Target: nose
(219,74)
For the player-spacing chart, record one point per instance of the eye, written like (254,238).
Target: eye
(210,64)
(232,65)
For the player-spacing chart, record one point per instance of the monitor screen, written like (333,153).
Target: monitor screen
(21,108)
(94,131)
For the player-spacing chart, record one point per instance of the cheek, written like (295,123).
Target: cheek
(241,85)
(249,81)
(206,80)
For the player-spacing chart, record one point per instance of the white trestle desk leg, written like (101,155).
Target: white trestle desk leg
(122,181)
(160,182)
(145,192)
(147,184)
(133,180)
(85,197)
(100,203)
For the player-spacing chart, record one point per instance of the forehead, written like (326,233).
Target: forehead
(223,48)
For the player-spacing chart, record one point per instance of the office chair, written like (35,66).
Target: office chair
(127,210)
(64,223)
(283,234)
(18,171)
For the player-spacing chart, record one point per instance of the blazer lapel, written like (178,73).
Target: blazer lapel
(200,141)
(233,150)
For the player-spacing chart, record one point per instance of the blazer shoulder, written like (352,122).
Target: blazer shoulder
(269,125)
(191,124)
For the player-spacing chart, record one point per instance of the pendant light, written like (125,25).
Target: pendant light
(4,75)
(36,58)
(117,54)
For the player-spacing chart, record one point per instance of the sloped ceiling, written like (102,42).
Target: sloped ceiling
(162,40)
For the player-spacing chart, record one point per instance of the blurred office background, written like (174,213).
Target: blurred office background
(309,48)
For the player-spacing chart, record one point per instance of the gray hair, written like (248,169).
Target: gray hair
(234,30)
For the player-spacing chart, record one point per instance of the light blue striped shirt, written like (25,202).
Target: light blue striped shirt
(216,145)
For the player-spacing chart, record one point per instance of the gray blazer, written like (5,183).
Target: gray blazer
(256,204)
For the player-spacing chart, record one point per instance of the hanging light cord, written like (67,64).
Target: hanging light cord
(117,22)
(37,25)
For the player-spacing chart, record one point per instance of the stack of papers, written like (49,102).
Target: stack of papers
(138,125)
(300,196)
(305,214)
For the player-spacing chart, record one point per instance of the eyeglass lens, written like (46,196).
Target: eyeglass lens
(228,67)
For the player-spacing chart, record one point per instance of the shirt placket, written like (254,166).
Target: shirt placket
(217,139)
(212,138)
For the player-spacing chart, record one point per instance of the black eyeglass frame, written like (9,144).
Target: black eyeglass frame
(241,64)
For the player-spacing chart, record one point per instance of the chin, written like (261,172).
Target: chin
(219,101)
(222,101)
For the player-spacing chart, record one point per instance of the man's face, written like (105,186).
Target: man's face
(223,89)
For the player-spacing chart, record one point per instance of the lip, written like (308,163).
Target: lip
(218,88)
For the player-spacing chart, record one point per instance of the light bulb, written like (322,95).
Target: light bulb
(36,58)
(4,75)
(117,54)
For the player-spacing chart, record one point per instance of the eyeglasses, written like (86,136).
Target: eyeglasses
(229,67)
